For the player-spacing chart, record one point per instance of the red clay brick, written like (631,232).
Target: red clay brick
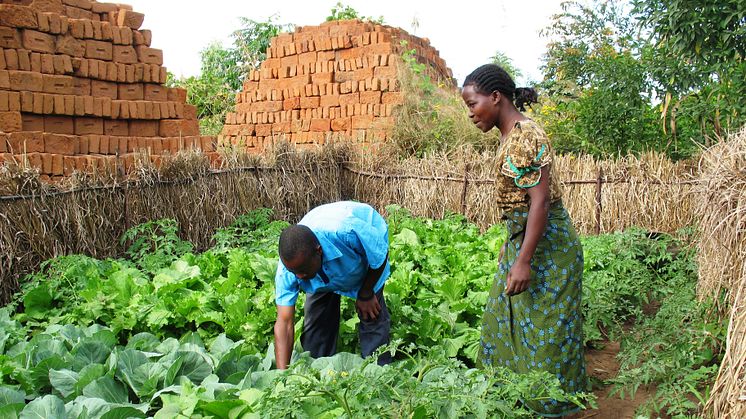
(10,121)
(4,101)
(27,142)
(98,50)
(329,101)
(18,16)
(68,165)
(103,144)
(26,80)
(131,91)
(32,122)
(125,35)
(59,104)
(85,126)
(46,163)
(392,98)
(4,79)
(10,38)
(177,94)
(59,125)
(79,106)
(70,46)
(349,99)
(362,121)
(38,41)
(149,55)
(105,106)
(178,127)
(117,127)
(24,62)
(320,125)
(104,88)
(309,102)
(60,144)
(130,19)
(57,164)
(124,54)
(81,86)
(155,92)
(121,75)
(341,124)
(373,97)
(11,59)
(190,112)
(144,128)
(69,104)
(61,85)
(291,103)
(14,101)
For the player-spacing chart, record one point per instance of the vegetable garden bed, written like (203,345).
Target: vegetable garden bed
(169,333)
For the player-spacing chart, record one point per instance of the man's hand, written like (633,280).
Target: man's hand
(368,310)
(519,278)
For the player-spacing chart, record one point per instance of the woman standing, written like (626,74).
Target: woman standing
(532,320)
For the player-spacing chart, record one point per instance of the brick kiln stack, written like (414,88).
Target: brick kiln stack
(338,80)
(80,87)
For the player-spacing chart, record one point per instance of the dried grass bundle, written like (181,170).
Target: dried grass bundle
(722,263)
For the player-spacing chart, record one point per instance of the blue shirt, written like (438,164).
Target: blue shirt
(353,237)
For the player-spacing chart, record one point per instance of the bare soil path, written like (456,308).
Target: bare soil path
(602,364)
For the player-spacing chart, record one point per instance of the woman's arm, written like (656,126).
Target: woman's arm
(519,276)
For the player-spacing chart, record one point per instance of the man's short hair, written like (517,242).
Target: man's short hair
(297,240)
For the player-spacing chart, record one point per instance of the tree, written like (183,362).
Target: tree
(597,93)
(344,12)
(506,63)
(698,60)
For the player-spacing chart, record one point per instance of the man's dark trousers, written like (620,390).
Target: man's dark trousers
(321,327)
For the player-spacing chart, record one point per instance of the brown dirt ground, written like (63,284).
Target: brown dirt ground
(602,364)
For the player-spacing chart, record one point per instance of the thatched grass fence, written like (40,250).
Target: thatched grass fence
(36,226)
(722,264)
(649,191)
(38,223)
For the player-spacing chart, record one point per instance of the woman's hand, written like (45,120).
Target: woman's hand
(519,278)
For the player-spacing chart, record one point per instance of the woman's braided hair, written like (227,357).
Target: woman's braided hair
(490,77)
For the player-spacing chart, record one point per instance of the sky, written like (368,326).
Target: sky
(465,34)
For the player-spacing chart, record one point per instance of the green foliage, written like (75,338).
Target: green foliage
(429,384)
(254,231)
(81,372)
(598,88)
(506,63)
(696,56)
(153,245)
(709,31)
(678,348)
(619,279)
(664,75)
(344,12)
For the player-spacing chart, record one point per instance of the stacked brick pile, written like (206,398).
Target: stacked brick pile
(80,87)
(338,80)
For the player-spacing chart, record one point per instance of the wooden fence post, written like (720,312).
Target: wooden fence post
(599,182)
(463,191)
